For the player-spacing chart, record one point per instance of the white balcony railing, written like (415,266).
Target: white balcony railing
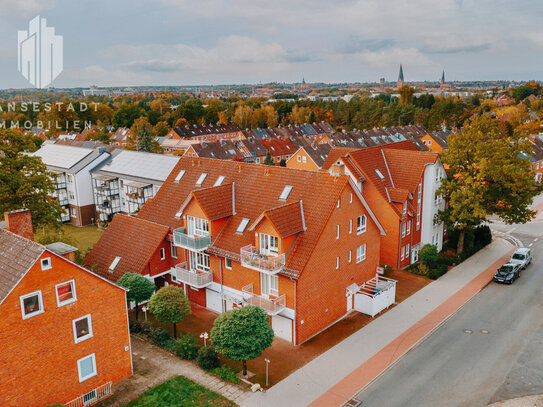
(92,397)
(272,306)
(190,242)
(251,258)
(194,278)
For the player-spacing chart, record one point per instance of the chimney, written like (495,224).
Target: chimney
(20,223)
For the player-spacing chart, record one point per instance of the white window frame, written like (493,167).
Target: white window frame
(350,255)
(361,253)
(337,232)
(403,229)
(269,245)
(199,261)
(338,203)
(402,256)
(299,158)
(40,301)
(351,199)
(219,181)
(83,378)
(243,225)
(197,226)
(226,264)
(337,263)
(201,179)
(73,299)
(350,226)
(304,159)
(408,228)
(363,225)
(407,251)
(87,336)
(162,253)
(269,284)
(46,263)
(173,248)
(179,176)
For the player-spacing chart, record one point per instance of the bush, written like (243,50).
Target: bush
(422,269)
(160,336)
(137,327)
(483,235)
(428,254)
(437,272)
(227,374)
(207,358)
(186,347)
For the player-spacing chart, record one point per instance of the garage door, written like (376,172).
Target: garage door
(282,327)
(213,300)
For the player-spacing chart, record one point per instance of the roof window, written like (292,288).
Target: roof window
(242,225)
(379,174)
(286,192)
(219,181)
(114,263)
(201,179)
(180,175)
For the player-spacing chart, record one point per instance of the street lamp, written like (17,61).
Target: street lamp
(267,363)
(145,309)
(204,335)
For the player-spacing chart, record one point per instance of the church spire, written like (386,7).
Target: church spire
(400,77)
(442,83)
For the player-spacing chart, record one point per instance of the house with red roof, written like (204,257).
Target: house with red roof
(302,245)
(400,182)
(64,329)
(280,148)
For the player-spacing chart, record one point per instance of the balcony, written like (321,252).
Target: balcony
(251,258)
(92,397)
(190,242)
(60,185)
(272,306)
(194,278)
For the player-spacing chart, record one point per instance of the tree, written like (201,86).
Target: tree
(428,254)
(170,305)
(242,334)
(487,176)
(140,138)
(161,129)
(268,160)
(140,289)
(406,94)
(25,181)
(126,115)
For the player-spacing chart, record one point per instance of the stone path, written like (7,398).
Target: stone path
(153,366)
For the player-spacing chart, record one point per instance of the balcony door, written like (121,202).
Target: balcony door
(269,245)
(197,226)
(198,261)
(269,285)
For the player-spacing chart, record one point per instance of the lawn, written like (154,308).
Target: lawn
(179,391)
(81,237)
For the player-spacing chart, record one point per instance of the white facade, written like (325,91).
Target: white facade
(431,204)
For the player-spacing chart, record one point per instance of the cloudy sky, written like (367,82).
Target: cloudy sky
(188,42)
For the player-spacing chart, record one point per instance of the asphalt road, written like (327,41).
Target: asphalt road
(491,350)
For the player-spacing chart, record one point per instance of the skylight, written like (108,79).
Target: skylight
(180,175)
(114,263)
(219,181)
(201,179)
(286,192)
(380,174)
(242,225)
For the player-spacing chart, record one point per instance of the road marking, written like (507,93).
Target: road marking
(511,230)
(530,245)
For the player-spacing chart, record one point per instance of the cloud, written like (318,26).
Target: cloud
(441,43)
(392,57)
(24,7)
(96,75)
(355,44)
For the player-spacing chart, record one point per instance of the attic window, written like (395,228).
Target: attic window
(379,174)
(114,263)
(286,192)
(243,225)
(219,181)
(180,175)
(201,179)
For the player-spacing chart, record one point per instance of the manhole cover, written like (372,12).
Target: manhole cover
(468,331)
(484,331)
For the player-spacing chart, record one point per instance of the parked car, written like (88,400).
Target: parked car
(507,273)
(522,256)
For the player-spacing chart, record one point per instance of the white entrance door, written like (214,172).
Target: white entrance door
(282,327)
(213,300)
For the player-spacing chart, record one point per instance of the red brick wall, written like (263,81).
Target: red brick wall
(157,265)
(20,223)
(39,356)
(321,290)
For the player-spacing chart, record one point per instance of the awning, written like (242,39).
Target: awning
(136,184)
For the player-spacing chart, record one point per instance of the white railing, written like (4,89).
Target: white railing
(194,278)
(375,295)
(272,306)
(197,243)
(92,397)
(251,258)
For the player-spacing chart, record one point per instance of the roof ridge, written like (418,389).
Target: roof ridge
(142,219)
(24,239)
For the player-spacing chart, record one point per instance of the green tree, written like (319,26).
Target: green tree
(487,176)
(125,115)
(170,305)
(428,254)
(140,289)
(406,94)
(25,181)
(242,334)
(161,129)
(268,160)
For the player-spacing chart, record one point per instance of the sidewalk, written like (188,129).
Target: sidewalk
(529,401)
(335,376)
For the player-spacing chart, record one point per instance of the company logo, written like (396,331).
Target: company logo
(39,53)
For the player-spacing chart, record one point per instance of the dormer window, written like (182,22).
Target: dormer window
(219,181)
(201,179)
(197,226)
(269,245)
(286,192)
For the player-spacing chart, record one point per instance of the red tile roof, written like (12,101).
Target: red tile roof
(257,190)
(287,219)
(279,146)
(216,202)
(133,239)
(334,155)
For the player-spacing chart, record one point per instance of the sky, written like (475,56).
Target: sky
(205,42)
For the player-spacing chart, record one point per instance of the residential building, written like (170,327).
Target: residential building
(209,132)
(279,148)
(299,244)
(309,157)
(127,179)
(64,330)
(119,138)
(223,150)
(73,183)
(401,184)
(436,141)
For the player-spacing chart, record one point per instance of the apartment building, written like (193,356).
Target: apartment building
(400,182)
(303,245)
(126,180)
(73,182)
(208,132)
(64,330)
